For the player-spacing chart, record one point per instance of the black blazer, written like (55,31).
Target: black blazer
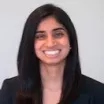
(91,91)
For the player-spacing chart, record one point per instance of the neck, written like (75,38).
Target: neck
(52,76)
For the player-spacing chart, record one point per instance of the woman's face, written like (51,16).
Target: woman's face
(51,43)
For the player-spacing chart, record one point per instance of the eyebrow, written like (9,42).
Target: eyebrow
(60,28)
(40,31)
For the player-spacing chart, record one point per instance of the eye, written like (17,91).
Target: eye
(40,36)
(58,34)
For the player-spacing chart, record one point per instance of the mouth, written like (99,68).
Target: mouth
(52,53)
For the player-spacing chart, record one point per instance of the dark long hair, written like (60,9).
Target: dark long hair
(30,91)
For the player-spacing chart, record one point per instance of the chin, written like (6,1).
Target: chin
(52,62)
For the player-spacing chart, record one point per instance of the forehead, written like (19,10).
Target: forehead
(49,23)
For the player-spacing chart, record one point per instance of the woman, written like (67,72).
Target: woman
(48,63)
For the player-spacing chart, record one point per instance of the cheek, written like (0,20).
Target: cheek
(38,46)
(65,42)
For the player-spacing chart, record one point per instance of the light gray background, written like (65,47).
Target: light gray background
(87,16)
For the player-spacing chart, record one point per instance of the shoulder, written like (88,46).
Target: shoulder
(10,83)
(8,90)
(91,87)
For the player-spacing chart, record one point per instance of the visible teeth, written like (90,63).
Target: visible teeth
(51,52)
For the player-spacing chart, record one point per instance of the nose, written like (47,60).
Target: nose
(50,41)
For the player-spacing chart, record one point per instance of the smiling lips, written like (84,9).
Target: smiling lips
(52,53)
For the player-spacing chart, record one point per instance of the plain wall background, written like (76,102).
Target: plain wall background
(87,16)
